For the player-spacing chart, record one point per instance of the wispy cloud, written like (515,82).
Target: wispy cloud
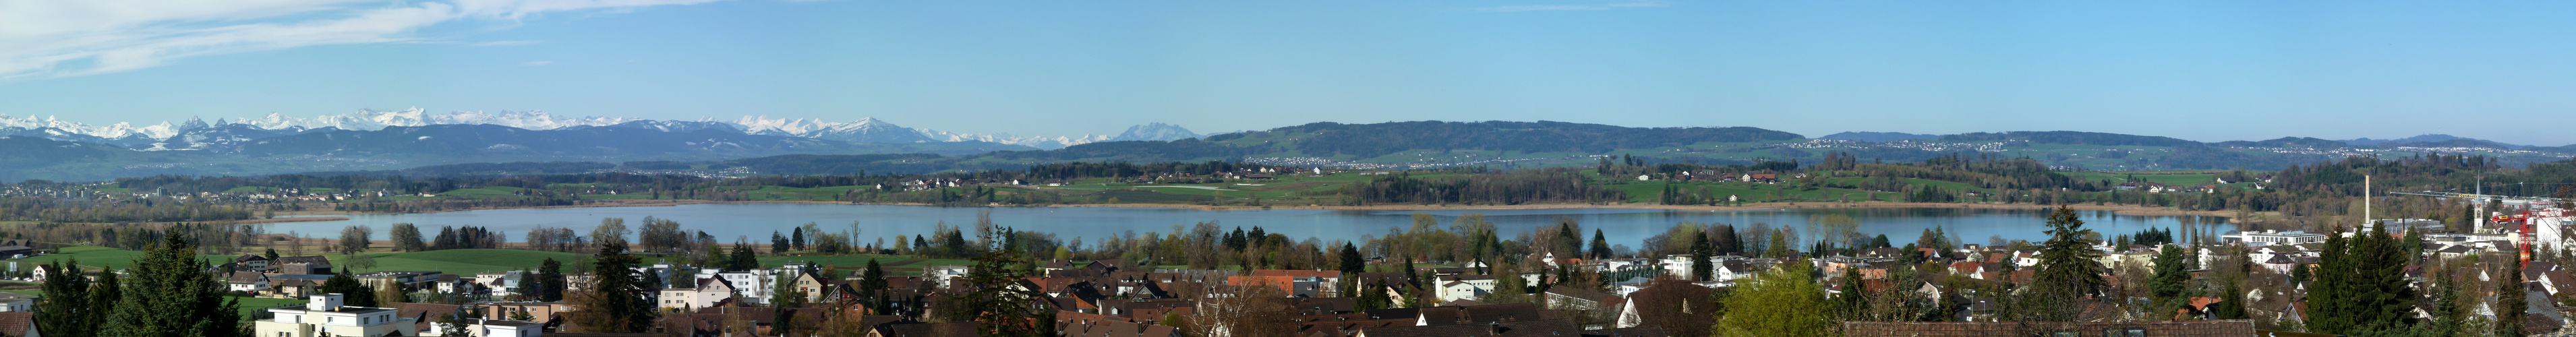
(537,63)
(1534,8)
(52,38)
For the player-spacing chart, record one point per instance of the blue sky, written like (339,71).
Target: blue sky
(2200,70)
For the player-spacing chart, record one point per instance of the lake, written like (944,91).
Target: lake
(1622,225)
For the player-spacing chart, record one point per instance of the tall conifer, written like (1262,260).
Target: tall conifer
(616,300)
(173,295)
(65,309)
(2067,272)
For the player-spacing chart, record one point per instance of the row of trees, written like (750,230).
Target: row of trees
(119,209)
(1496,188)
(168,292)
(407,237)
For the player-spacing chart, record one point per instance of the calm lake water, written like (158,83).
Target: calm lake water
(1622,226)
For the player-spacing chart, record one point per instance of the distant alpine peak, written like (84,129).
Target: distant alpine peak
(864,129)
(363,119)
(1154,132)
(532,120)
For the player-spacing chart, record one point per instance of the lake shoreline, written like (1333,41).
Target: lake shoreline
(2126,210)
(2120,209)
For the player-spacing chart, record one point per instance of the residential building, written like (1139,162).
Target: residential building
(15,302)
(247,282)
(325,315)
(2272,237)
(704,294)
(251,262)
(2237,327)
(1466,286)
(540,312)
(311,265)
(494,328)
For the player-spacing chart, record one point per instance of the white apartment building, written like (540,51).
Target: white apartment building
(754,285)
(707,292)
(2272,237)
(491,328)
(324,315)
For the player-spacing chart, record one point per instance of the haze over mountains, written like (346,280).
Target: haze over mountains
(371,140)
(196,133)
(2428,140)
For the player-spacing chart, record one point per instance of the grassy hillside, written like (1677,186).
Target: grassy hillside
(95,257)
(466,261)
(2184,178)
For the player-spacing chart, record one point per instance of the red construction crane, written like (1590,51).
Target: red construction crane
(2521,223)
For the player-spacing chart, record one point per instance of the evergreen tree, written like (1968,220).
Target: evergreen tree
(352,291)
(2167,285)
(872,282)
(1567,244)
(1600,247)
(550,276)
(1004,310)
(796,239)
(1853,302)
(616,302)
(173,296)
(2067,272)
(2447,317)
(1780,245)
(1409,273)
(873,278)
(777,243)
(1509,287)
(1234,241)
(1351,260)
(1720,237)
(743,258)
(2510,302)
(2361,285)
(2231,305)
(718,259)
(104,295)
(66,307)
(1701,269)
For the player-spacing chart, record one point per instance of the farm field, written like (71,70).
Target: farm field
(855,261)
(96,256)
(2185,178)
(466,262)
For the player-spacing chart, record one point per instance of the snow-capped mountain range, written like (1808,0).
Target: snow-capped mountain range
(196,133)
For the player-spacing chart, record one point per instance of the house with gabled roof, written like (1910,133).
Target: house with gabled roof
(248,282)
(705,293)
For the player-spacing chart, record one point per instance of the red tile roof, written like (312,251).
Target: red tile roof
(2089,329)
(17,323)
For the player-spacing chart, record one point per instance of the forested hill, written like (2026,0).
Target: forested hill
(711,149)
(1371,140)
(2069,138)
(1361,141)
(1506,144)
